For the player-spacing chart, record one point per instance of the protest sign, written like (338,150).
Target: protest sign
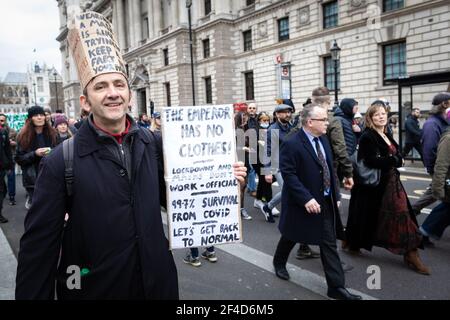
(202,192)
(94,46)
(16,120)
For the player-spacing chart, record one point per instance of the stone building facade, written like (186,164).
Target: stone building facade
(259,50)
(13,89)
(45,87)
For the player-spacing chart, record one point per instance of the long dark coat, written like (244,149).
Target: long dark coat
(29,161)
(114,230)
(303,181)
(365,201)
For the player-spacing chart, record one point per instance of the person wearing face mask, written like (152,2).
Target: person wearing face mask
(34,142)
(264,189)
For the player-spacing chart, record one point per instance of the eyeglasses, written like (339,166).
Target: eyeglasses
(324,119)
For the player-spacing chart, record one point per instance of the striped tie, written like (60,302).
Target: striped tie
(326,172)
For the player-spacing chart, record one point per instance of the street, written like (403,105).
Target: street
(244,271)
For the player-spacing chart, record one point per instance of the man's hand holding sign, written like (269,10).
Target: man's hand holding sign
(202,176)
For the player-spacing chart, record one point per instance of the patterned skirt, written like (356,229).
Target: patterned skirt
(397,229)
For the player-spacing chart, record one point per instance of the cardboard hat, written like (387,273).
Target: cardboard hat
(94,47)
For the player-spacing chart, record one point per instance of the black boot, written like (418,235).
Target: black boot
(3,219)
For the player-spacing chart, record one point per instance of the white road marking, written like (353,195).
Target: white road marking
(406,178)
(301,277)
(426,210)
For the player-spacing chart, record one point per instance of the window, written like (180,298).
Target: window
(250,2)
(207,7)
(249,89)
(330,14)
(329,74)
(208,90)
(40,84)
(206,48)
(166,56)
(144,19)
(394,62)
(283,29)
(247,35)
(389,5)
(167,89)
(145,28)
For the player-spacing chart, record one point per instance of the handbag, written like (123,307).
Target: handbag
(367,176)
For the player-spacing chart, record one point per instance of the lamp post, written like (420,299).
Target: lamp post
(34,86)
(56,89)
(335,56)
(188,6)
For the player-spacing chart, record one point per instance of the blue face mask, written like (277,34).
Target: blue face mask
(264,125)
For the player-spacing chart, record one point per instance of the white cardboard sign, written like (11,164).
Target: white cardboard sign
(202,192)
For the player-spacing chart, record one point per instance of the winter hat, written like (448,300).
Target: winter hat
(347,105)
(35,110)
(440,97)
(156,115)
(59,120)
(282,107)
(289,103)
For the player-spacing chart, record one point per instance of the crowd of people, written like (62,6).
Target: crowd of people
(379,214)
(42,131)
(95,201)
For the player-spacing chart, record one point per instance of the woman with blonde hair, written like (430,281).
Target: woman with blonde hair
(381,215)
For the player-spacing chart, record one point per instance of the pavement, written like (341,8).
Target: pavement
(8,267)
(254,282)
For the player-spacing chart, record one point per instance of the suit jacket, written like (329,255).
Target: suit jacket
(303,181)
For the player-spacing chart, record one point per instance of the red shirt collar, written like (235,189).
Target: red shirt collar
(117,136)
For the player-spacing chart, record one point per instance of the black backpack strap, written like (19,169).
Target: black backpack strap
(68,147)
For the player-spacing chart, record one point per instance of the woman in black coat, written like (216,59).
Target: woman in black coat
(381,215)
(34,141)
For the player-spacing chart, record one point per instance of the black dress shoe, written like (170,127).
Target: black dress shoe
(305,252)
(282,273)
(3,219)
(342,294)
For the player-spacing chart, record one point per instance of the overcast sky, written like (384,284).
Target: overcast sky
(26,25)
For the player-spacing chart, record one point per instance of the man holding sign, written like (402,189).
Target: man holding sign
(113,246)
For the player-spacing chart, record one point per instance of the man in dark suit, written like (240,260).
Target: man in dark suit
(309,207)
